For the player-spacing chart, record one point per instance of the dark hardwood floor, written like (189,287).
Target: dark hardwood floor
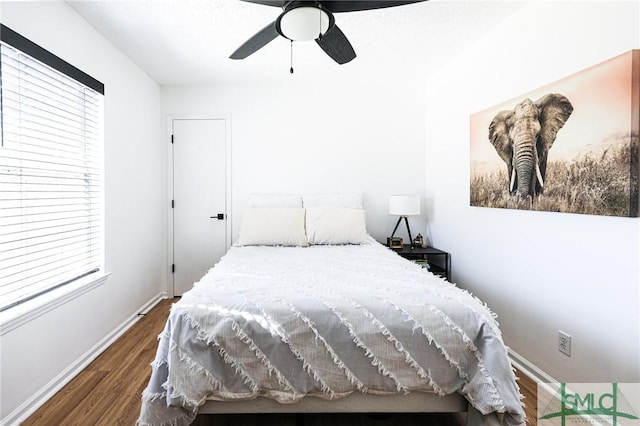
(108,392)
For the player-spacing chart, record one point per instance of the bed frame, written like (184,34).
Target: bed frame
(415,402)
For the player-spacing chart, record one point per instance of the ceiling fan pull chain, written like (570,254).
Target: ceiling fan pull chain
(291,69)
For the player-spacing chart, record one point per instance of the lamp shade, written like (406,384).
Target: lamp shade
(304,23)
(404,205)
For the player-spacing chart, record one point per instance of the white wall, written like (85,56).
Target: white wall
(539,271)
(35,354)
(319,137)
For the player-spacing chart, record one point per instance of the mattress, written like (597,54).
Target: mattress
(326,321)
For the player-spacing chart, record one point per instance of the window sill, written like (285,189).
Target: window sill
(28,311)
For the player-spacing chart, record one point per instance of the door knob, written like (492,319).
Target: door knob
(220,216)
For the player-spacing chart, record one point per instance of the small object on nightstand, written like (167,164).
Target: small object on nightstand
(394,242)
(418,241)
(422,262)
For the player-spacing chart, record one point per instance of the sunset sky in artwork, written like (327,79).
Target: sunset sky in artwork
(601,99)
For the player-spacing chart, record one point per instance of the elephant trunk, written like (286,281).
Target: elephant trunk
(526,169)
(525,165)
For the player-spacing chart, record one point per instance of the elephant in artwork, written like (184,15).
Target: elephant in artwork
(523,136)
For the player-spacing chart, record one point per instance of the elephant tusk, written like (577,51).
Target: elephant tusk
(513,180)
(539,175)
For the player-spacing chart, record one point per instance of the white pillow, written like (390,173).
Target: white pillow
(272,227)
(334,225)
(275,200)
(346,201)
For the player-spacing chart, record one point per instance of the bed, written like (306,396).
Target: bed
(291,321)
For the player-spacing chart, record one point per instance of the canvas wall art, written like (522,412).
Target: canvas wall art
(571,146)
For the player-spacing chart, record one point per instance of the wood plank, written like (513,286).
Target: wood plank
(55,410)
(144,331)
(529,389)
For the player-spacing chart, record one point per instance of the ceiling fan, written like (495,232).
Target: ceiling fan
(311,20)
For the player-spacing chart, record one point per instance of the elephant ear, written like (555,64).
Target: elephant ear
(554,109)
(499,136)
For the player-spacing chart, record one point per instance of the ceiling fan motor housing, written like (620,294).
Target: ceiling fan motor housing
(304,21)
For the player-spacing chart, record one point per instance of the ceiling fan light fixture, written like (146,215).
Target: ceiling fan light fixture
(303,23)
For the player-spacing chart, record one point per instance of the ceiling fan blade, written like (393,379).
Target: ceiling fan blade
(276,3)
(357,5)
(336,45)
(258,41)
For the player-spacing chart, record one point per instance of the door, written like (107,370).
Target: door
(199,198)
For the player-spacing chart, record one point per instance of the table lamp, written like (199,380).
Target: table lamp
(404,206)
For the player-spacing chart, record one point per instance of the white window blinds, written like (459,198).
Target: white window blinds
(50,177)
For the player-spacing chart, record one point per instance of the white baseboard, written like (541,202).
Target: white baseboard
(28,407)
(531,370)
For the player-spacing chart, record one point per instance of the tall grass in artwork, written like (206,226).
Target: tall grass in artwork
(594,183)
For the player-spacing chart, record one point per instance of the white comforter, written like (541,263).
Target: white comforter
(325,321)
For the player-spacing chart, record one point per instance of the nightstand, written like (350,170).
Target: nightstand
(439,261)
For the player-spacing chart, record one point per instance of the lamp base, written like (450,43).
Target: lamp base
(406,222)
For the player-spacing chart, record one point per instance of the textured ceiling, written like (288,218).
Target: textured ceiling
(180,42)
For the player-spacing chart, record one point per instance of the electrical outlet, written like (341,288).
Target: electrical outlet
(564,343)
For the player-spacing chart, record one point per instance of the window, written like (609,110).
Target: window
(50,171)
